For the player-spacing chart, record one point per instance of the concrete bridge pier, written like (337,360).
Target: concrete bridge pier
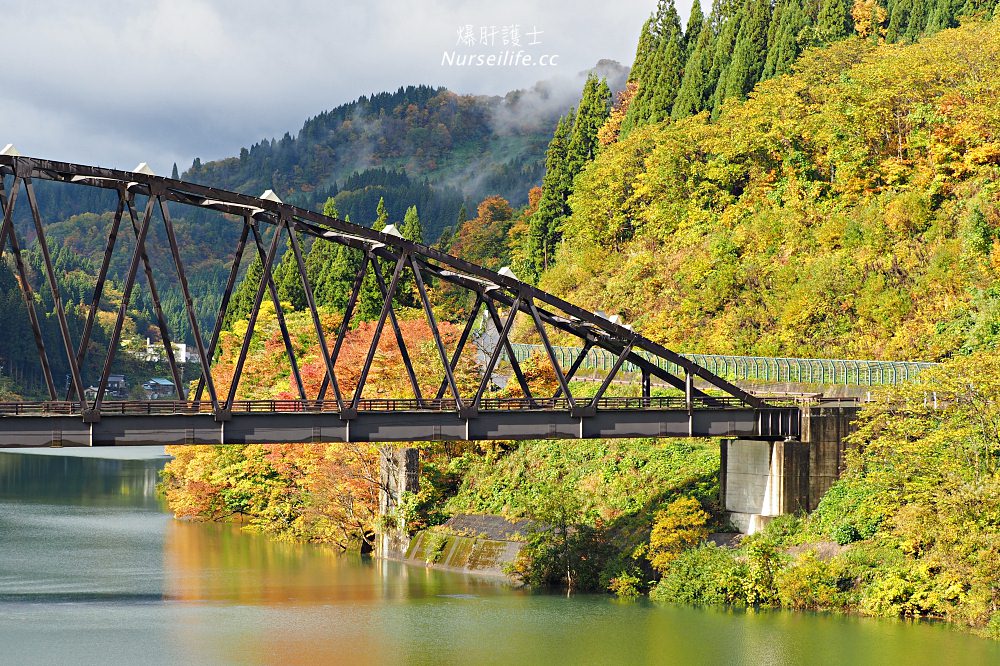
(399,472)
(763,479)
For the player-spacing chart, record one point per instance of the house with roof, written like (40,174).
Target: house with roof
(159,387)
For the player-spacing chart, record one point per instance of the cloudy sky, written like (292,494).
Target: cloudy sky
(117,82)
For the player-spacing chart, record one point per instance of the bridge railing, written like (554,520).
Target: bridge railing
(162,407)
(842,372)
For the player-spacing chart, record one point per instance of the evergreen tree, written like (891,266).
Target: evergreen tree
(670,70)
(555,189)
(725,23)
(696,89)
(595,104)
(445,240)
(381,216)
(243,296)
(339,272)
(411,226)
(288,281)
(370,299)
(319,260)
(834,20)
(944,15)
(696,21)
(662,70)
(574,144)
(643,52)
(749,52)
(790,18)
(907,20)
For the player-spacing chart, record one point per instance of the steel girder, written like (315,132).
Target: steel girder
(492,291)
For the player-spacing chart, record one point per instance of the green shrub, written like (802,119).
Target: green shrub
(811,583)
(845,534)
(626,585)
(853,509)
(704,575)
(783,531)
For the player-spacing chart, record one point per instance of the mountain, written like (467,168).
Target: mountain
(420,145)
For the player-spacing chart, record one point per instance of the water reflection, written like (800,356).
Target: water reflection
(80,479)
(211,562)
(93,570)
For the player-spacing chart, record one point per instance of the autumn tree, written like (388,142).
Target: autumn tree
(483,239)
(869,17)
(611,129)
(680,526)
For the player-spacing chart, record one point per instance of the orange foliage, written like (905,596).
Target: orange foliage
(538,374)
(317,492)
(612,127)
(483,239)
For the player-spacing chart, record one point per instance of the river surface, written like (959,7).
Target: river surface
(93,570)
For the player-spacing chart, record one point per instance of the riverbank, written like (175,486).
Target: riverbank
(917,512)
(478,545)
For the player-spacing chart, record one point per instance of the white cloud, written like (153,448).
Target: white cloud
(116,82)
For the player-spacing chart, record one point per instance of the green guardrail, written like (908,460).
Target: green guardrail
(751,368)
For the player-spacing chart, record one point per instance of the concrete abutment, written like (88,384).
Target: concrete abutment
(762,479)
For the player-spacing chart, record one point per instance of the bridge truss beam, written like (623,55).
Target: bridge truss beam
(492,291)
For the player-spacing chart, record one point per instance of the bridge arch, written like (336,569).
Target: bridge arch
(495,293)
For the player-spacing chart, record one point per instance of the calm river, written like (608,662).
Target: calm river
(93,570)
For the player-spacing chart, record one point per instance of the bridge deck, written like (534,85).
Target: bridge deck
(46,424)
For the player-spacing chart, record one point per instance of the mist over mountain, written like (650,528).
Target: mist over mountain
(420,145)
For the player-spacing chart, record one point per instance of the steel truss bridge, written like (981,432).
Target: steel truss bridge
(211,416)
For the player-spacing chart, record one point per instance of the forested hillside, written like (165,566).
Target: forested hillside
(847,209)
(420,145)
(679,73)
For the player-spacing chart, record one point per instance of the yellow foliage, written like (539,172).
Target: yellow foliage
(869,18)
(827,215)
(679,527)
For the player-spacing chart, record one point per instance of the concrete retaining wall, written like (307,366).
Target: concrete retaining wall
(824,429)
(479,545)
(399,472)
